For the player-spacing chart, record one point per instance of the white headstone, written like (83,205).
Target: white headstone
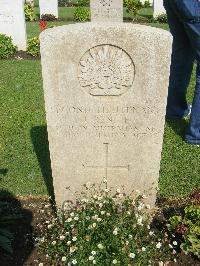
(106,10)
(158,8)
(48,7)
(12,22)
(105,90)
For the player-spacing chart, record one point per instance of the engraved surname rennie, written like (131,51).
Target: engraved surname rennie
(106,70)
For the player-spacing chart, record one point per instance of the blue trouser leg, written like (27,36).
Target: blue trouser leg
(181,66)
(193,132)
(184,19)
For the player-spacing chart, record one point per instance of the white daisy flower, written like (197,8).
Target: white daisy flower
(100,246)
(74,262)
(158,245)
(93,253)
(139,220)
(115,232)
(151,233)
(132,255)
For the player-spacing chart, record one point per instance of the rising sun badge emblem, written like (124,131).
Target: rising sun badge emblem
(106,70)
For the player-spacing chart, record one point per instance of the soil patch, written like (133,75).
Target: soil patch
(22,55)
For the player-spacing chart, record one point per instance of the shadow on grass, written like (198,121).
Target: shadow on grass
(178,126)
(16,220)
(3,171)
(41,145)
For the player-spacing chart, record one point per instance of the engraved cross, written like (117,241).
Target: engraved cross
(106,167)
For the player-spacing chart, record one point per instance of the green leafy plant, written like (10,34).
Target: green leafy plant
(81,14)
(7,48)
(146,4)
(29,12)
(83,3)
(104,227)
(62,3)
(187,227)
(133,6)
(48,17)
(34,46)
(162,18)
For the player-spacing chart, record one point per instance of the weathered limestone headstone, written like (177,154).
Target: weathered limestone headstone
(48,7)
(12,22)
(106,10)
(105,94)
(158,8)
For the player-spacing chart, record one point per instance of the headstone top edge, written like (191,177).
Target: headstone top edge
(62,30)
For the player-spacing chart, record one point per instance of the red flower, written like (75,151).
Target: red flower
(195,196)
(43,25)
(181,229)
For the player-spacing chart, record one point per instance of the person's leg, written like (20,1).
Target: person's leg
(181,65)
(193,132)
(191,20)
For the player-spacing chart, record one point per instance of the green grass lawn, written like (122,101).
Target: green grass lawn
(24,156)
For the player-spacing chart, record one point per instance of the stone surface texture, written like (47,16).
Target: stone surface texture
(12,22)
(48,7)
(106,10)
(105,91)
(158,8)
